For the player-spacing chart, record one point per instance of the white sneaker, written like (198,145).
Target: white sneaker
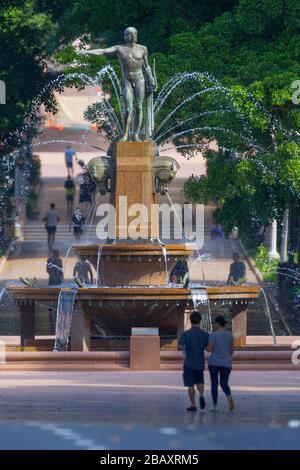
(213,408)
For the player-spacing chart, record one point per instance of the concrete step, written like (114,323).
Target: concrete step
(38,232)
(97,361)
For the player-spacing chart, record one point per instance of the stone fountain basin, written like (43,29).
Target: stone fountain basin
(118,309)
(224,292)
(132,264)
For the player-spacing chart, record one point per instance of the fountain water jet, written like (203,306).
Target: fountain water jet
(64,318)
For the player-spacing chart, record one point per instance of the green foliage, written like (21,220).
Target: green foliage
(252,49)
(35,170)
(22,34)
(266,266)
(248,192)
(31,203)
(257,47)
(156,20)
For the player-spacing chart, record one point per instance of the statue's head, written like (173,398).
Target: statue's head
(130,34)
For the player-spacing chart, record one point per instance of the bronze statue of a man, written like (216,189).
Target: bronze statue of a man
(137,77)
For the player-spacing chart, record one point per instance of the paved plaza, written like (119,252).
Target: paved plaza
(124,408)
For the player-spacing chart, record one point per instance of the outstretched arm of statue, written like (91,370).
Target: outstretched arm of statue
(150,80)
(108,50)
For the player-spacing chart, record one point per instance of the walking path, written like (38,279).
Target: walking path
(155,398)
(104,411)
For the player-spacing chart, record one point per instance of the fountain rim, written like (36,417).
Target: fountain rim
(237,293)
(145,249)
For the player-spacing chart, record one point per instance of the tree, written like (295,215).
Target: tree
(253,49)
(248,192)
(24,28)
(156,20)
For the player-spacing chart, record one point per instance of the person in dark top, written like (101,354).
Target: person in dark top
(180,273)
(55,269)
(193,342)
(237,271)
(87,188)
(70,192)
(78,223)
(83,271)
(217,232)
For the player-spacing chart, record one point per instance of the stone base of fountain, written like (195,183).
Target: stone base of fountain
(133,271)
(254,360)
(118,309)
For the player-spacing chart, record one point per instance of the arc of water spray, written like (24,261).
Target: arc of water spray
(175,82)
(191,119)
(184,102)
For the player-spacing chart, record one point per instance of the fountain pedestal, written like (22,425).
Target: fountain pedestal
(81,332)
(133,188)
(27,321)
(239,325)
(145,350)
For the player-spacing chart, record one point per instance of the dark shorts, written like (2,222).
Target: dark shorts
(51,230)
(192,377)
(69,164)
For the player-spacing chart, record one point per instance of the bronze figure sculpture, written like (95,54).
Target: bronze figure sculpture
(137,77)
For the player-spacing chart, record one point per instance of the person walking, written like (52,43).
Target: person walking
(70,192)
(51,220)
(78,222)
(54,268)
(69,154)
(87,187)
(193,342)
(221,347)
(83,271)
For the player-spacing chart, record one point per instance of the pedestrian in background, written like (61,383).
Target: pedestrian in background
(217,233)
(87,187)
(69,154)
(51,220)
(70,192)
(78,223)
(54,268)
(83,271)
